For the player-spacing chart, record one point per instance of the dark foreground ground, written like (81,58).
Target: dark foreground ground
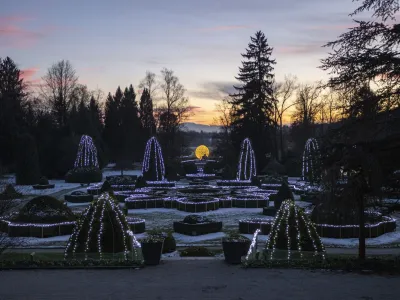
(201,279)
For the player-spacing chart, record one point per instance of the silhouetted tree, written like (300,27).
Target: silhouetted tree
(147,115)
(60,83)
(253,104)
(112,123)
(12,103)
(368,52)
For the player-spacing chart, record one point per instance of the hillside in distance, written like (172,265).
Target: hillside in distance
(190,126)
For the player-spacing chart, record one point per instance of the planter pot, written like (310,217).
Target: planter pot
(233,251)
(152,253)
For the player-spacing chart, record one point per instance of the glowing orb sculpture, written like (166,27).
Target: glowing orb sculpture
(201,151)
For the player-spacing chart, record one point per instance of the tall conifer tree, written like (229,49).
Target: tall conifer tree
(253,104)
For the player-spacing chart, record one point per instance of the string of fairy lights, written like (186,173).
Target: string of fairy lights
(105,203)
(153,144)
(311,155)
(249,162)
(87,153)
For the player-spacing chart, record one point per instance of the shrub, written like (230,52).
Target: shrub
(169,243)
(189,168)
(283,194)
(84,175)
(106,187)
(293,231)
(43,181)
(210,167)
(140,183)
(44,209)
(102,228)
(228,172)
(27,168)
(197,251)
(9,193)
(196,219)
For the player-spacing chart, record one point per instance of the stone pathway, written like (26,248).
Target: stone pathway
(201,279)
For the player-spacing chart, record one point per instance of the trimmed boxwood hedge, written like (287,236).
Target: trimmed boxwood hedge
(84,175)
(44,209)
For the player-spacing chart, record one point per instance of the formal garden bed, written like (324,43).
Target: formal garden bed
(139,201)
(197,225)
(249,226)
(41,217)
(196,205)
(387,224)
(137,225)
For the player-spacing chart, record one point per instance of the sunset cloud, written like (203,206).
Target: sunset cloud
(29,73)
(14,32)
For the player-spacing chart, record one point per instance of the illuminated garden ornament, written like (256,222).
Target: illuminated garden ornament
(102,228)
(311,161)
(293,231)
(247,162)
(202,151)
(153,146)
(87,153)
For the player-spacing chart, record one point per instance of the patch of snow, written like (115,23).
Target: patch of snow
(118,172)
(385,239)
(29,241)
(70,204)
(170,255)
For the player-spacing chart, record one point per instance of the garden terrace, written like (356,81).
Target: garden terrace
(197,225)
(244,201)
(249,226)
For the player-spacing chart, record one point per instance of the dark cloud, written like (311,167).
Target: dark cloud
(214,90)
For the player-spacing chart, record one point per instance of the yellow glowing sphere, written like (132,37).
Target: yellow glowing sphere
(201,151)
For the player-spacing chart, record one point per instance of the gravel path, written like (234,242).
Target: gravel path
(201,279)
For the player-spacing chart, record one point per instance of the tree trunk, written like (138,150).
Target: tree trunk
(361,239)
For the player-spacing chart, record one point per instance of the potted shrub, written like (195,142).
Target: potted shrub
(43,184)
(235,246)
(152,247)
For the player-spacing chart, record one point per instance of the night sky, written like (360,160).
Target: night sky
(113,43)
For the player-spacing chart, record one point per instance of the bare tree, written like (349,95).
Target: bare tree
(149,82)
(225,115)
(59,84)
(175,107)
(283,92)
(307,104)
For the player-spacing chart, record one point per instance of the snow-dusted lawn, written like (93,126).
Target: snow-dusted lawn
(60,185)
